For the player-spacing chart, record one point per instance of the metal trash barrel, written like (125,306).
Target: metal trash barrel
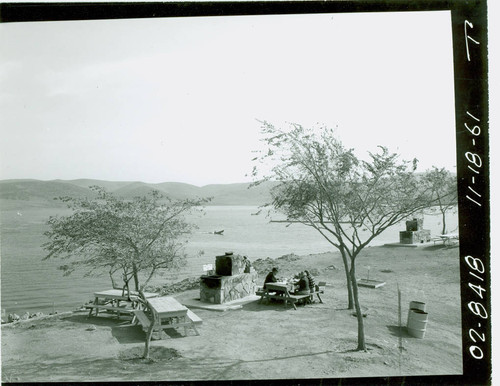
(417,323)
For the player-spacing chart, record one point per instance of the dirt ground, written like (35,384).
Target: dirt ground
(265,341)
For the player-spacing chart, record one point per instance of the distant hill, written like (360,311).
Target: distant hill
(222,194)
(133,189)
(29,190)
(179,190)
(108,185)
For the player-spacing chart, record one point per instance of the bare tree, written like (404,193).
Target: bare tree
(348,201)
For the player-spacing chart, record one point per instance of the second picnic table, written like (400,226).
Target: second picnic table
(166,312)
(282,291)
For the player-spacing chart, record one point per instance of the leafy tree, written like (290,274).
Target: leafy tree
(107,234)
(348,201)
(443,185)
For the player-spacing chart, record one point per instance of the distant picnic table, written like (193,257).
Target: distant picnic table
(282,291)
(446,238)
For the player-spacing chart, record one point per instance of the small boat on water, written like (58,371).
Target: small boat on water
(219,232)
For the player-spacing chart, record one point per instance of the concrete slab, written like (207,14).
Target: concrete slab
(416,245)
(191,299)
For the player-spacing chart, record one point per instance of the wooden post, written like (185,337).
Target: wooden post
(399,321)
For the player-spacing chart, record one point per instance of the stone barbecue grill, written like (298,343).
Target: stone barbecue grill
(414,233)
(230,281)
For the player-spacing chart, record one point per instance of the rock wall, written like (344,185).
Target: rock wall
(232,288)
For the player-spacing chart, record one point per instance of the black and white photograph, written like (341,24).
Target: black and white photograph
(244,194)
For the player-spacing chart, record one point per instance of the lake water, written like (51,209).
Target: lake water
(30,284)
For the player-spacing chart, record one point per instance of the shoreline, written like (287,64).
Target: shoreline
(262,266)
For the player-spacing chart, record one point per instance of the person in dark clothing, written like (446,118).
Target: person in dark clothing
(303,285)
(271,277)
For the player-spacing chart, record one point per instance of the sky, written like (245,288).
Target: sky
(180,99)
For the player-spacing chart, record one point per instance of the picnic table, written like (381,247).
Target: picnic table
(166,312)
(446,238)
(283,291)
(115,300)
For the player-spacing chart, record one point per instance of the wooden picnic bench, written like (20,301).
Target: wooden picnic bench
(122,309)
(164,313)
(116,301)
(281,291)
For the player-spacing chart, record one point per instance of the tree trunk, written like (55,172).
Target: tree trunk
(126,287)
(359,314)
(444,222)
(136,277)
(350,301)
(145,355)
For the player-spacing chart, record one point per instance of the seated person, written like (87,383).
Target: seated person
(303,285)
(312,283)
(271,277)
